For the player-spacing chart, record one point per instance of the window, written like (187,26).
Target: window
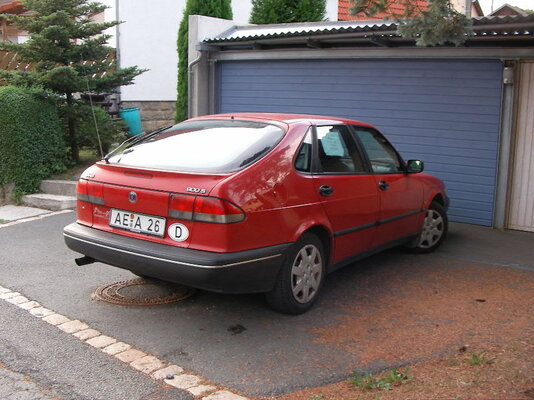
(204,146)
(338,152)
(383,158)
(304,156)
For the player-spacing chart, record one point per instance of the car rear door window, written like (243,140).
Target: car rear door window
(338,152)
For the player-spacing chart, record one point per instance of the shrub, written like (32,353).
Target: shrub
(31,142)
(110,131)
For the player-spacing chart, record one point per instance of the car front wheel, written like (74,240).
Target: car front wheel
(434,230)
(301,277)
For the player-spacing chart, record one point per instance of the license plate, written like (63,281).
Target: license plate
(139,223)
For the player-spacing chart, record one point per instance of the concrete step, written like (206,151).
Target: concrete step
(52,202)
(61,188)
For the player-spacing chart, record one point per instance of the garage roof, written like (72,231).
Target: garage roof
(323,34)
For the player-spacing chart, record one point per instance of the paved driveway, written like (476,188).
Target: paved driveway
(391,309)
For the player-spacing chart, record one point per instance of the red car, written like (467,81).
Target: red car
(247,203)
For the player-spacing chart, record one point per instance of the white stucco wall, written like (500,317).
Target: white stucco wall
(147,38)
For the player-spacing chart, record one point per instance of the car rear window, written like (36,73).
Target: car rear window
(205,146)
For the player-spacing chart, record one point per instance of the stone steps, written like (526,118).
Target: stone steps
(56,195)
(47,201)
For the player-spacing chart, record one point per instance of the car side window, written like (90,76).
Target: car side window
(383,158)
(338,152)
(304,155)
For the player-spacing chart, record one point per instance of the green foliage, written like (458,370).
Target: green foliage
(392,378)
(210,8)
(477,359)
(281,11)
(439,24)
(110,131)
(69,52)
(31,141)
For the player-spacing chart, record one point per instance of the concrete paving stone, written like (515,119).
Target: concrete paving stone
(29,305)
(167,371)
(116,348)
(9,295)
(87,334)
(147,364)
(224,395)
(17,300)
(12,213)
(56,319)
(183,381)
(101,341)
(73,326)
(130,355)
(201,390)
(41,312)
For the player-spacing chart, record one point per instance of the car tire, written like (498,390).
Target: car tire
(434,230)
(301,277)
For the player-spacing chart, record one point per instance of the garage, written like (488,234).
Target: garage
(445,112)
(464,110)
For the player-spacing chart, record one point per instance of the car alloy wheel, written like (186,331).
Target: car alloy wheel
(300,278)
(306,274)
(433,229)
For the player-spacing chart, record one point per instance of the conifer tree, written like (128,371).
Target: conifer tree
(281,11)
(436,24)
(69,52)
(210,8)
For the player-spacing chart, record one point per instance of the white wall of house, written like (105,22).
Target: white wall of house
(147,38)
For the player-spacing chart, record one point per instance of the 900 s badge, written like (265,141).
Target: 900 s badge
(195,190)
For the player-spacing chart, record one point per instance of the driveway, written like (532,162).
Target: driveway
(391,309)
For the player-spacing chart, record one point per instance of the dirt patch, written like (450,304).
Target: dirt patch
(436,319)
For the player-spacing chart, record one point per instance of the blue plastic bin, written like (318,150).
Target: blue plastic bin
(132,117)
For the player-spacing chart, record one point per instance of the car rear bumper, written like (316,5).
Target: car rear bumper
(239,272)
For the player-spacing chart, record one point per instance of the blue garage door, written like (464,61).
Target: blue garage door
(446,113)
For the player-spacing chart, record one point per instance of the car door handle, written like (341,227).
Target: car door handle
(326,190)
(383,185)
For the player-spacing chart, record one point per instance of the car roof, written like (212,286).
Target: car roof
(286,118)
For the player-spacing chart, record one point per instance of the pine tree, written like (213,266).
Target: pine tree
(69,52)
(437,24)
(281,11)
(210,8)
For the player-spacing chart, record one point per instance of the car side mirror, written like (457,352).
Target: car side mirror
(415,166)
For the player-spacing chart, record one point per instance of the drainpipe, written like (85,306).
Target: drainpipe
(190,77)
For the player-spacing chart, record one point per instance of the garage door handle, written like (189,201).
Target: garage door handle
(326,190)
(383,185)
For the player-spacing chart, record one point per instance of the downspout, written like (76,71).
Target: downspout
(118,47)
(190,76)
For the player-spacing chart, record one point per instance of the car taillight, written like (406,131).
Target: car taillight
(90,192)
(204,209)
(181,207)
(211,209)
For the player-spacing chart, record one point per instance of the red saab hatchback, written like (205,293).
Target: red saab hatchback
(255,203)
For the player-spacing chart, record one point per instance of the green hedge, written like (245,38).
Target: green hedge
(31,141)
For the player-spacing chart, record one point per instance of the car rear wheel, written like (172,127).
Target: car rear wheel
(301,278)
(434,230)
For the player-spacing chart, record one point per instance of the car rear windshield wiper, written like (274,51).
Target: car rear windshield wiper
(134,140)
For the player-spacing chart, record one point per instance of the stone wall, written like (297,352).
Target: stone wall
(154,114)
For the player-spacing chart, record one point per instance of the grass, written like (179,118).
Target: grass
(477,359)
(3,221)
(87,158)
(384,381)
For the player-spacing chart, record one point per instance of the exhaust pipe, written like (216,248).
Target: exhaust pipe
(84,261)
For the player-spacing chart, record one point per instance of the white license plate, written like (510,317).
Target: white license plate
(139,223)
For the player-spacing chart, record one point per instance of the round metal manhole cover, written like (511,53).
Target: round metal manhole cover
(142,292)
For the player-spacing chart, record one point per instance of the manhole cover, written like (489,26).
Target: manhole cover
(142,292)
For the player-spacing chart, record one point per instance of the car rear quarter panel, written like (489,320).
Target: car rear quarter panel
(279,203)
